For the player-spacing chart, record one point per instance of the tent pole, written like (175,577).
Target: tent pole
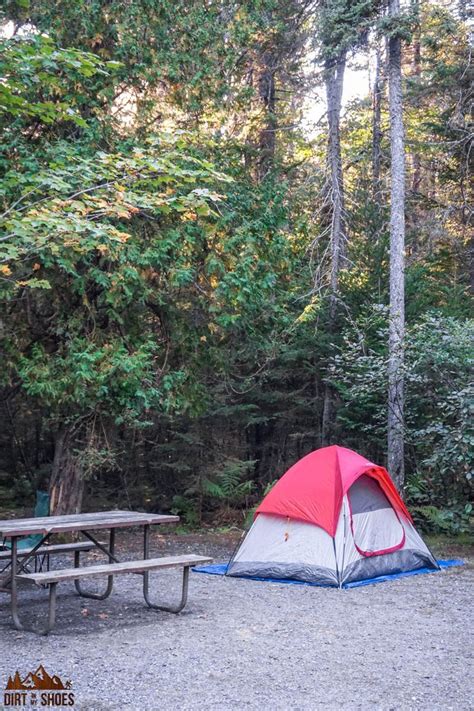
(237,545)
(343,508)
(335,558)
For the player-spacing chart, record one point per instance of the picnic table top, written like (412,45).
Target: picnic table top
(81,522)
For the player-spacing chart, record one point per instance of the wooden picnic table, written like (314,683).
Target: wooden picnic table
(11,528)
(48,526)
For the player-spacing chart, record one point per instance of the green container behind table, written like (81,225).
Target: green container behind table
(41,509)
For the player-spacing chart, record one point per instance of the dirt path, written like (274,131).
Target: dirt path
(250,645)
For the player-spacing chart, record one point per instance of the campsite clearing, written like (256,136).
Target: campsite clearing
(242,644)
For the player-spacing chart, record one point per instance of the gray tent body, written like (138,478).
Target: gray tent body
(371,540)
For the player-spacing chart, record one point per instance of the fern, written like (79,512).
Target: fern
(228,485)
(251,512)
(453,521)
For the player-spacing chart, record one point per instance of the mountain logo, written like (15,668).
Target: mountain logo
(39,688)
(40,679)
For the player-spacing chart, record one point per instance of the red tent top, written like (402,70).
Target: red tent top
(312,489)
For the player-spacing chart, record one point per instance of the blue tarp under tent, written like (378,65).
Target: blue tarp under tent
(221,569)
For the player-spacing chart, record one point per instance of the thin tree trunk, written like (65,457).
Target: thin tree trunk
(334,81)
(395,424)
(379,84)
(266,93)
(416,72)
(416,173)
(67,482)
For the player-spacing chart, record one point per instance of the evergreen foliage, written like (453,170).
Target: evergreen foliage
(165,268)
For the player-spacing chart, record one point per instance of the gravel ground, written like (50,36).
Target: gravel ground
(251,645)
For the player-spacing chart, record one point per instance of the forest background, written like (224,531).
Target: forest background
(195,253)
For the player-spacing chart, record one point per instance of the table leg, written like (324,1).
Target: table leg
(146,542)
(24,559)
(14,584)
(146,580)
(110,579)
(168,608)
(146,554)
(14,597)
(52,607)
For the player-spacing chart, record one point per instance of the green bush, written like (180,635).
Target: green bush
(439,397)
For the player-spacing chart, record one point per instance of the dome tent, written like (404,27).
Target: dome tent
(333,518)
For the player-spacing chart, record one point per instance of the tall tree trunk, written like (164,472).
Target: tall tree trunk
(266,94)
(397,259)
(67,482)
(414,213)
(379,84)
(334,82)
(416,72)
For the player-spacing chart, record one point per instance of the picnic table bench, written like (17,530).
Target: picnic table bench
(58,549)
(85,523)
